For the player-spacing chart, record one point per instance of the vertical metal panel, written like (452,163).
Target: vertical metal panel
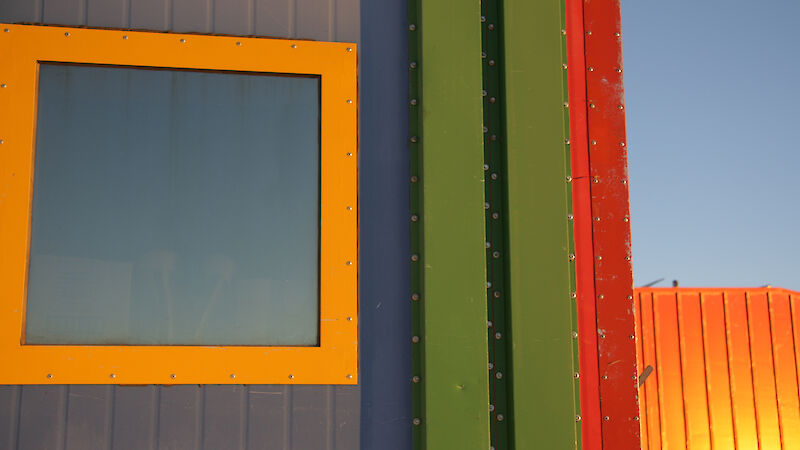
(541,306)
(147,15)
(42,417)
(651,410)
(150,417)
(93,405)
(107,13)
(741,392)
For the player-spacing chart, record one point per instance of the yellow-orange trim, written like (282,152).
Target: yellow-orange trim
(335,361)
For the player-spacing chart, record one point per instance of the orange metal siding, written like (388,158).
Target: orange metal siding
(726,364)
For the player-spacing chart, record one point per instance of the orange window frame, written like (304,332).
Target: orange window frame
(334,361)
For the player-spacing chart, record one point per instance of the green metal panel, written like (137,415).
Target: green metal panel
(448,250)
(543,355)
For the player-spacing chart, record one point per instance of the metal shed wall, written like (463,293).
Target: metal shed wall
(373,415)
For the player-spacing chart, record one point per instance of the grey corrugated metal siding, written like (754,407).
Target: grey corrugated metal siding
(374,415)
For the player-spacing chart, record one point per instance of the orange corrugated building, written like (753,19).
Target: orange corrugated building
(719,368)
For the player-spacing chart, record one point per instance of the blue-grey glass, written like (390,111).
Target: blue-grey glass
(174,207)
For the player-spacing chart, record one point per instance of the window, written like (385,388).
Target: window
(176,208)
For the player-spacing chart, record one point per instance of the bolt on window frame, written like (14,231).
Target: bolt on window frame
(334,361)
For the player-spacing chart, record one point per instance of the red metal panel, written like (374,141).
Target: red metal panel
(582,230)
(610,218)
(670,376)
(640,367)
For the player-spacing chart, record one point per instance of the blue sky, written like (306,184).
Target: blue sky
(713,113)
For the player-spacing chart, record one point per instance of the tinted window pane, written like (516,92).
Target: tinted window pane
(174,207)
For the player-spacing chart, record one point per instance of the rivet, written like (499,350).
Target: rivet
(496,255)
(594,142)
(616,34)
(349,208)
(484,93)
(294,45)
(488,244)
(183,40)
(622,144)
(414,178)
(491,366)
(414,218)
(494,176)
(493,137)
(349,376)
(563,32)
(598,257)
(569,178)
(576,375)
(577,418)
(349,101)
(66,34)
(605,377)
(500,417)
(349,49)
(629,297)
(125,37)
(413,139)
(291,377)
(589,33)
(489,324)
(492,99)
(5,30)
(491,62)
(415,257)
(631,337)
(595,180)
(112,375)
(597,219)
(570,217)
(590,69)
(490,27)
(238,44)
(413,102)
(564,66)
(414,297)
(619,70)
(416,421)
(172,376)
(574,335)
(573,294)
(601,296)
(624,181)
(627,258)
(488,284)
(349,319)
(483,56)
(415,379)
(572,257)
(566,105)
(233,375)
(491,407)
(2,85)
(485,129)
(620,107)
(636,418)
(349,154)
(483,19)
(415,339)
(495,215)
(49,375)
(591,105)
(486,205)
(566,141)
(602,336)
(606,418)
(349,263)
(625,219)
(498,375)
(412,64)
(485,167)
(498,335)
(412,27)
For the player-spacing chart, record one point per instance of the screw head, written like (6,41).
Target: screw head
(415,297)
(112,375)
(494,176)
(2,85)
(413,139)
(349,263)
(590,69)
(416,421)
(500,417)
(415,379)
(291,377)
(238,44)
(349,154)
(606,418)
(413,102)
(490,27)
(574,335)
(412,64)
(125,37)
(498,375)
(414,178)
(49,375)
(172,376)
(349,319)
(5,30)
(349,101)
(577,418)
(415,257)
(576,375)
(349,376)
(412,27)
(294,45)
(66,34)
(498,335)
(349,49)
(233,375)
(183,40)
(415,339)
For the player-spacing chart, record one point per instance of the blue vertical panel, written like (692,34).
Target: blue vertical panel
(135,417)
(233,17)
(146,15)
(384,228)
(42,417)
(273,17)
(93,405)
(107,13)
